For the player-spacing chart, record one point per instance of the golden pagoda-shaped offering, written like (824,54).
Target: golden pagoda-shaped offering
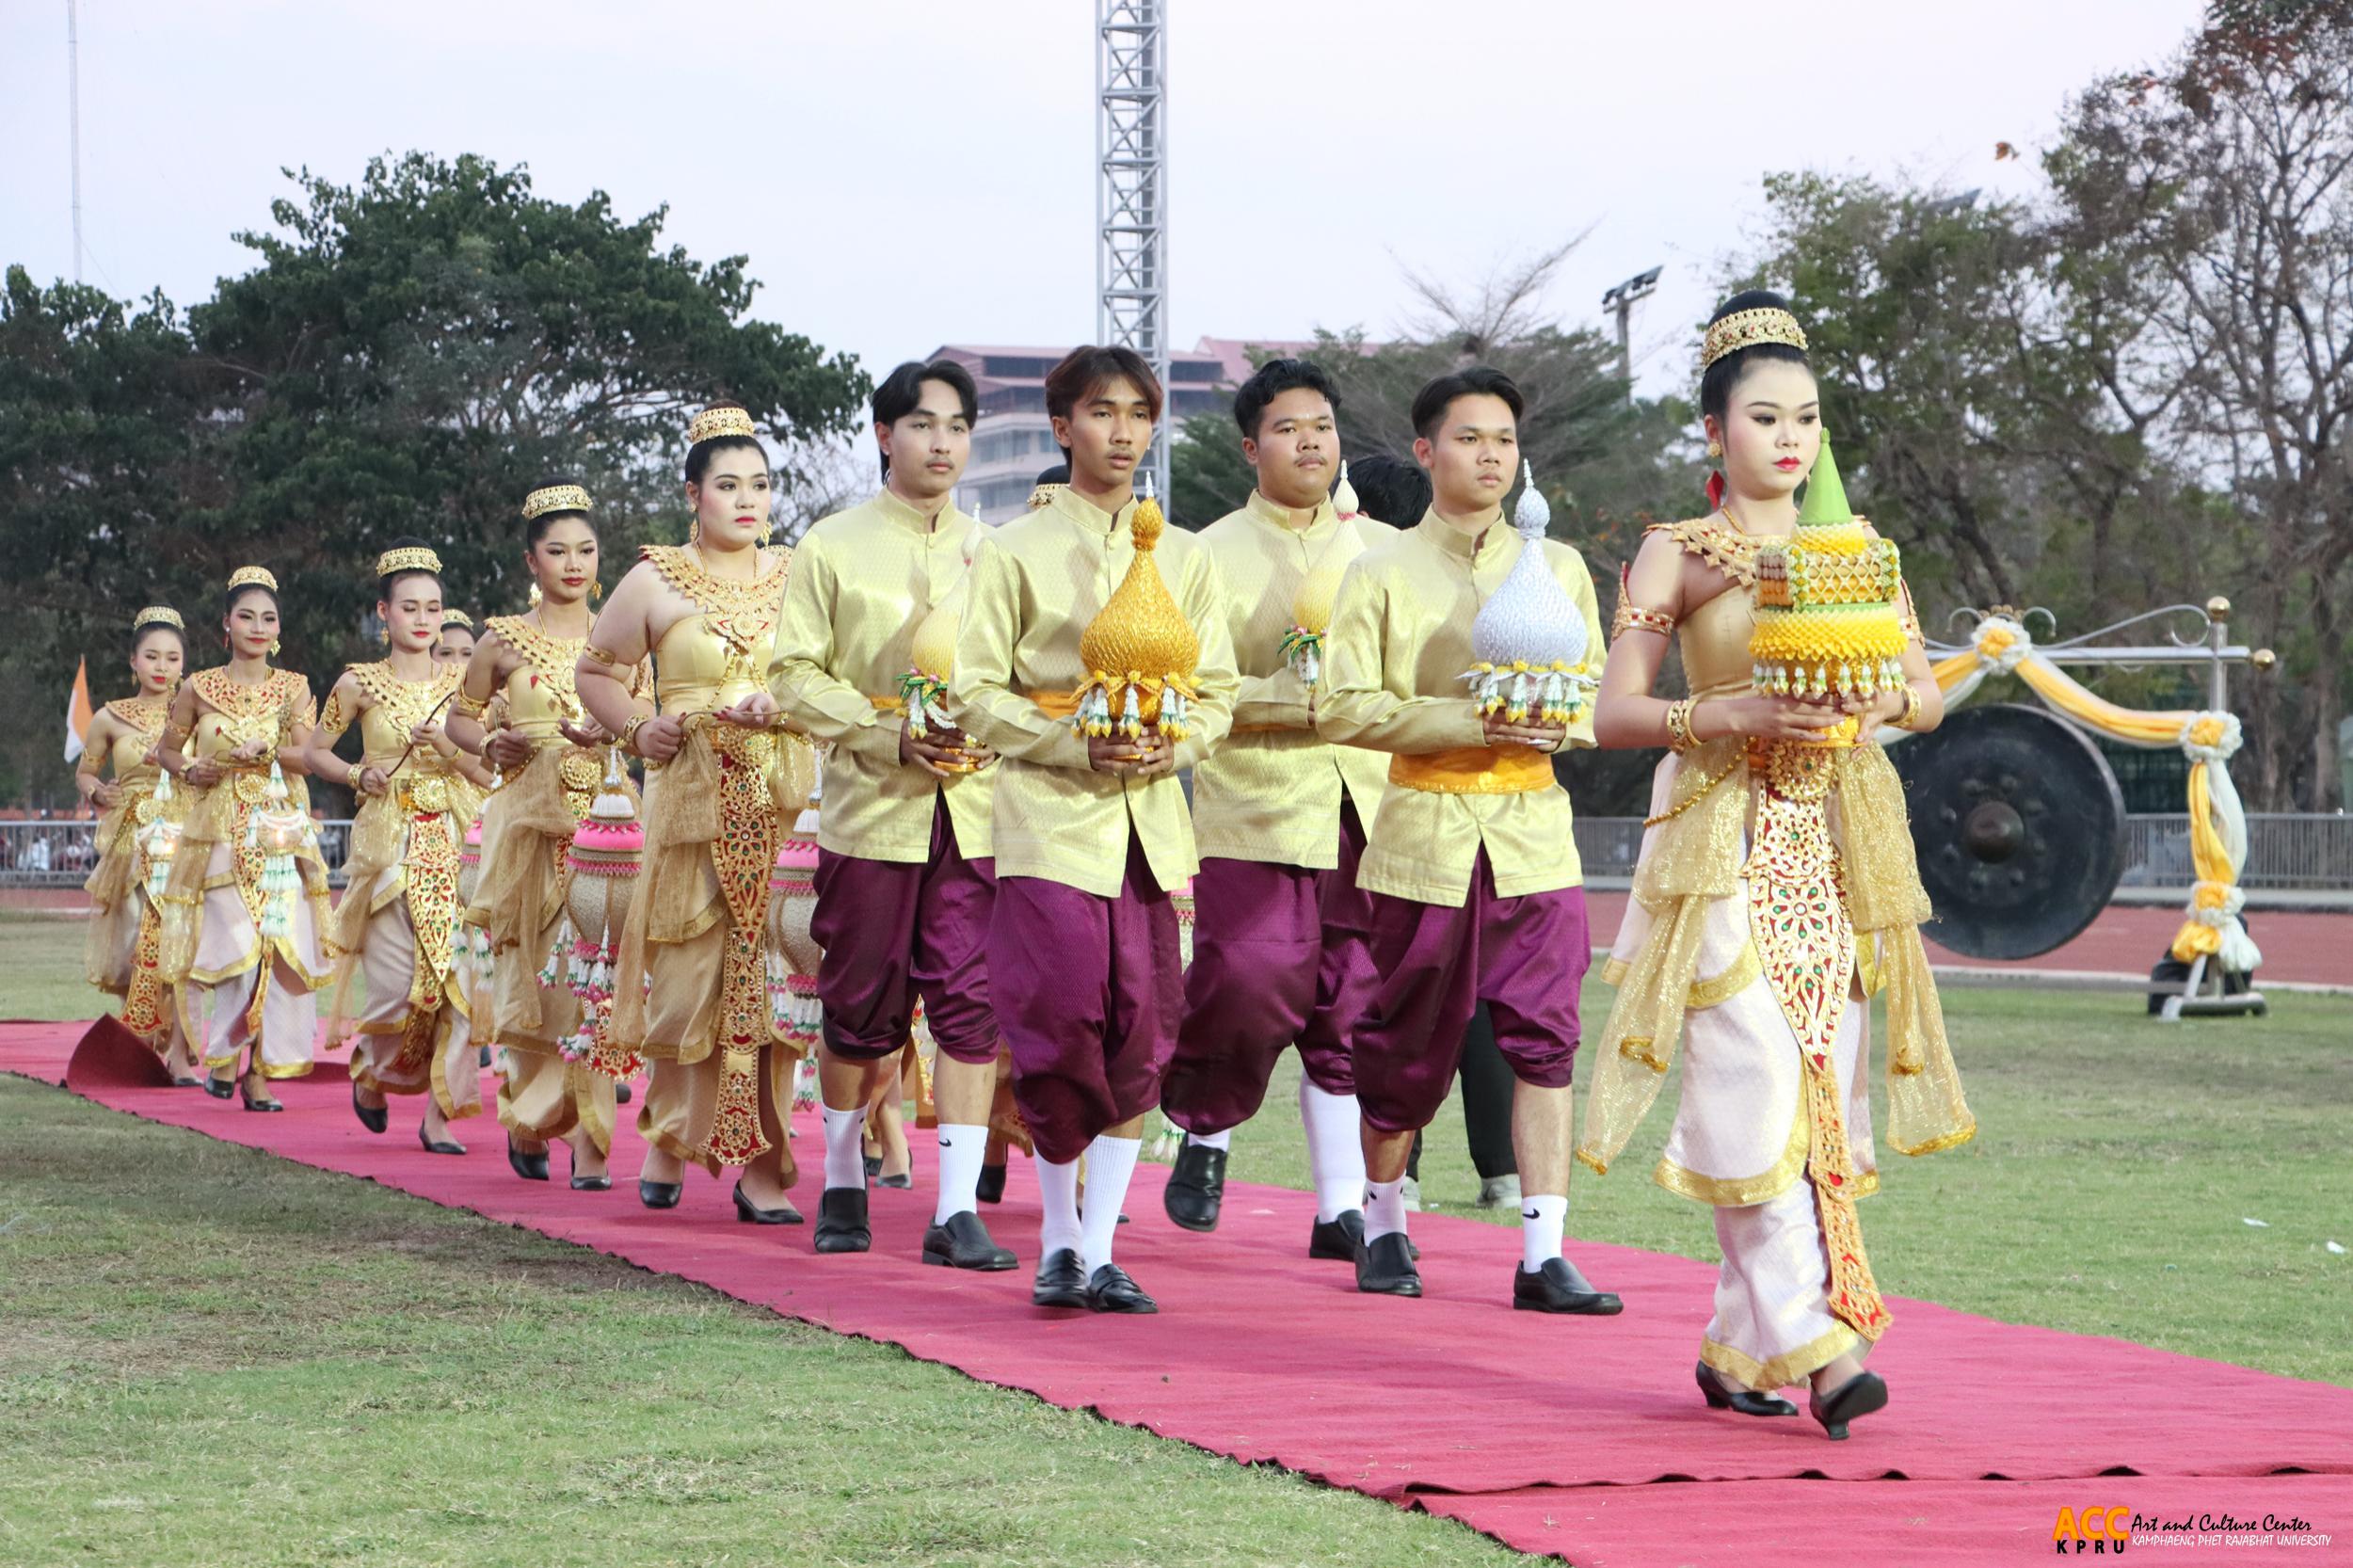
(1140,649)
(1829,622)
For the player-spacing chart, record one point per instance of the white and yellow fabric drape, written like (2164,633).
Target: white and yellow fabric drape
(2217,821)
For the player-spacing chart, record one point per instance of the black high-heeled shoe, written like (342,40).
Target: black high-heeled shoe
(1858,1397)
(437,1146)
(246,1094)
(531,1167)
(659,1194)
(1746,1401)
(751,1213)
(218,1089)
(375,1118)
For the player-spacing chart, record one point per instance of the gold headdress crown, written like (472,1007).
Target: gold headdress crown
(1746,330)
(554,498)
(456,617)
(728,420)
(245,575)
(414,558)
(157,615)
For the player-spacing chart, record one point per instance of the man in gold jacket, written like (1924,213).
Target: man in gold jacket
(1477,891)
(1280,925)
(1091,829)
(904,882)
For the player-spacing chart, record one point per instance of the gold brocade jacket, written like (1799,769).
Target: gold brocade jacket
(1036,585)
(862,582)
(1399,641)
(1271,792)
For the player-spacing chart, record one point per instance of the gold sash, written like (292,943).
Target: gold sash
(1474,771)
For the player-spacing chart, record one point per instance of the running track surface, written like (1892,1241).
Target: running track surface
(1579,1437)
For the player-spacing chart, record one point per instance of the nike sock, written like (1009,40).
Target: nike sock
(1336,1150)
(1111,1161)
(960,1151)
(1219,1141)
(845,1160)
(1058,1200)
(1385,1209)
(1542,1221)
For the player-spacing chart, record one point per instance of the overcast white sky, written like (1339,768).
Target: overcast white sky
(904,175)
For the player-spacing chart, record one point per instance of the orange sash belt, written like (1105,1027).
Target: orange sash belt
(1060,705)
(1474,771)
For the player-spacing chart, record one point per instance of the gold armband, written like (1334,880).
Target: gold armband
(601,655)
(90,764)
(1679,734)
(1633,617)
(1911,707)
(466,705)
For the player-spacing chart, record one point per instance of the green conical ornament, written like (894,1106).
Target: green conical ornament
(1825,504)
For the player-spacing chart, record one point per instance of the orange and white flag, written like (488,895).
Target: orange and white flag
(77,712)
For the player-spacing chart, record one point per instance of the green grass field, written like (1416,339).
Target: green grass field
(214,1356)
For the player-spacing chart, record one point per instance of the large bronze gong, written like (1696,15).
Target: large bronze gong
(2020,829)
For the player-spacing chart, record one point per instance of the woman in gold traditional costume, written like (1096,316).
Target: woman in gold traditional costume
(456,645)
(550,756)
(724,782)
(246,902)
(398,926)
(123,952)
(1775,895)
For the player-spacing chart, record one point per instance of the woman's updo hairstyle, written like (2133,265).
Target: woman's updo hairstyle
(1723,372)
(552,501)
(716,429)
(405,558)
(158,618)
(244,583)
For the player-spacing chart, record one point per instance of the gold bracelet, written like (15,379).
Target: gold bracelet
(1911,707)
(359,770)
(463,703)
(627,740)
(1680,736)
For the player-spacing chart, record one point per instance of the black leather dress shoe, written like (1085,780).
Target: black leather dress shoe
(1338,1239)
(991,1187)
(1559,1288)
(1196,1188)
(437,1146)
(963,1243)
(620,1093)
(842,1224)
(752,1215)
(531,1167)
(659,1194)
(375,1118)
(1110,1290)
(1857,1397)
(1061,1280)
(1385,1267)
(1721,1396)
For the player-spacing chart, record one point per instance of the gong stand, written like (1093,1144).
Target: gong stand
(2195,635)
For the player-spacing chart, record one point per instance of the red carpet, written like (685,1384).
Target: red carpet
(1572,1436)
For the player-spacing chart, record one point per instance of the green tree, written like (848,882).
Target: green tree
(409,355)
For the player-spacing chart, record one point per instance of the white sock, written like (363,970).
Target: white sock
(845,1160)
(1058,1199)
(1542,1221)
(960,1151)
(1385,1209)
(1211,1140)
(1111,1161)
(1336,1150)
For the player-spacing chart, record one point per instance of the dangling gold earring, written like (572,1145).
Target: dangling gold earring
(273,647)
(694,530)
(384,634)
(596,589)
(535,595)
(767,531)
(1715,448)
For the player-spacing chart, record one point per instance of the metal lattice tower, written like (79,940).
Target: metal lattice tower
(1131,191)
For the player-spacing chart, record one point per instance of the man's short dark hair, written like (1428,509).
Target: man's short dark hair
(901,392)
(1430,404)
(1269,381)
(1087,369)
